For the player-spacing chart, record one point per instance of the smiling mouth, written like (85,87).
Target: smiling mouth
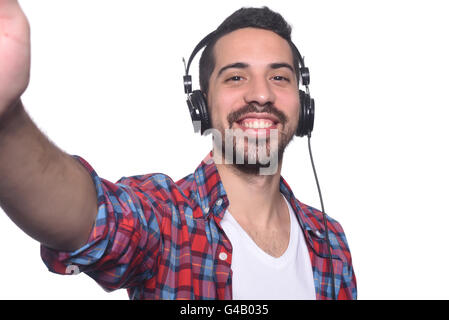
(255,123)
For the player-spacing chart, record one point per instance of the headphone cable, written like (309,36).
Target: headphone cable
(325,221)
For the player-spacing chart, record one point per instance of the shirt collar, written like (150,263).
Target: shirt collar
(308,217)
(210,191)
(212,198)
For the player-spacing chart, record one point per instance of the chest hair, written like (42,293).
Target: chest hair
(273,242)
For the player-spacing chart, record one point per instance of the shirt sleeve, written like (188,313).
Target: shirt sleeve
(124,243)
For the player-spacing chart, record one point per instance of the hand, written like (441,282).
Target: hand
(14,54)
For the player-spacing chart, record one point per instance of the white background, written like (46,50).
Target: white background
(106,84)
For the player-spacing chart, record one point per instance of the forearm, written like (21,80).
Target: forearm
(46,192)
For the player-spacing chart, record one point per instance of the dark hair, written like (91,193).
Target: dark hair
(262,18)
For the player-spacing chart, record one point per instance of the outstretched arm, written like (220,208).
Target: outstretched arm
(46,192)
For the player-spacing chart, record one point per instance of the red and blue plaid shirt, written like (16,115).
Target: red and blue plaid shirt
(162,239)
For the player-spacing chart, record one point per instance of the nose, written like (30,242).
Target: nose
(259,92)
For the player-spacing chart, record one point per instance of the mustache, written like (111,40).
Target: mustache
(256,108)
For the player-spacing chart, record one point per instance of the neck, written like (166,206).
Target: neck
(253,198)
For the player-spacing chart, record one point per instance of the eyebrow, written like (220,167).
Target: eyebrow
(242,65)
(282,65)
(237,65)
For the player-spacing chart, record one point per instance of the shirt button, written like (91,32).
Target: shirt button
(206,210)
(223,256)
(318,233)
(219,202)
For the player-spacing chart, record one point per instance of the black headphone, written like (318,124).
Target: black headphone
(198,105)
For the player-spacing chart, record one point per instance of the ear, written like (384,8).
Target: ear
(205,97)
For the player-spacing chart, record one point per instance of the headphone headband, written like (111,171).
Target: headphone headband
(198,47)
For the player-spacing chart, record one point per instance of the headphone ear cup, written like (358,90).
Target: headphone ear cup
(311,115)
(198,111)
(307,114)
(300,129)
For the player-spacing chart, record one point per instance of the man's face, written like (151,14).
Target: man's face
(254,88)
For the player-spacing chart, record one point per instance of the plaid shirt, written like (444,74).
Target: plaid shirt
(162,239)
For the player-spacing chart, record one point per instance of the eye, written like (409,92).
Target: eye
(234,78)
(281,78)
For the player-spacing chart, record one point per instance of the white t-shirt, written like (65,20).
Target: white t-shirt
(256,275)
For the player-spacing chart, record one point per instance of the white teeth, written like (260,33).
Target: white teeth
(258,124)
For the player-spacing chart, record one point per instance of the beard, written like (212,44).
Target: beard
(249,153)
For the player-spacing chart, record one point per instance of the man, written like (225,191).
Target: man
(224,232)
